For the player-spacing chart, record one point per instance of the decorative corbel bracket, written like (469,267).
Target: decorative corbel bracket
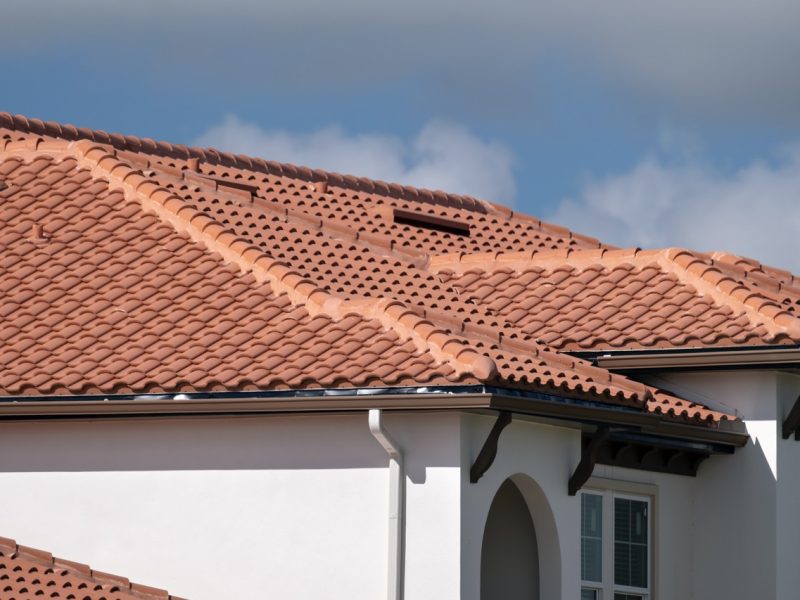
(588,459)
(489,450)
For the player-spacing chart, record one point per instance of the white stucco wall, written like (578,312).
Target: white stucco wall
(546,455)
(273,507)
(788,494)
(549,455)
(296,506)
(746,530)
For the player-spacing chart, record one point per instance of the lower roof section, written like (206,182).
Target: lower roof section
(31,573)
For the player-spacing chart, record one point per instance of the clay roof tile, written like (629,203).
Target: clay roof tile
(176,278)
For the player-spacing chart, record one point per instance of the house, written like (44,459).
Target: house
(233,378)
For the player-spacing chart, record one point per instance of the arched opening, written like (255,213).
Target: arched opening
(509,552)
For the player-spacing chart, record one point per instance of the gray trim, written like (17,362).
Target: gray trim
(696,358)
(472,398)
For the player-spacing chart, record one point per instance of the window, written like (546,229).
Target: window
(615,546)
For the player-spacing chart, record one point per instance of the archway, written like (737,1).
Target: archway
(509,552)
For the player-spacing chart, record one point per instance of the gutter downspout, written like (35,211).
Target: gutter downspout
(396,505)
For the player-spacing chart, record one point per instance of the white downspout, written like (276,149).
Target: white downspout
(396,505)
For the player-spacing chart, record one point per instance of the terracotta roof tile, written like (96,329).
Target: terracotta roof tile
(631,299)
(27,573)
(135,265)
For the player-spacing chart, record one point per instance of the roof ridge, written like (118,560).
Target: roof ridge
(46,558)
(577,257)
(540,224)
(780,280)
(136,144)
(726,291)
(281,277)
(298,216)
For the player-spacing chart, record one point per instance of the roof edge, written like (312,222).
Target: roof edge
(695,358)
(46,558)
(137,144)
(353,182)
(431,398)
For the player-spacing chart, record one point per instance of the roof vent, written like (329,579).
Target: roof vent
(321,187)
(38,233)
(432,222)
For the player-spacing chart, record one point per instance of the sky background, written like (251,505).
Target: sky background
(641,123)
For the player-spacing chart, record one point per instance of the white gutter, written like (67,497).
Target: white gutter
(396,505)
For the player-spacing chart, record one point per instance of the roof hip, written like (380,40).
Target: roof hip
(708,279)
(393,314)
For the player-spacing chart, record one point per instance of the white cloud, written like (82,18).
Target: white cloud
(441,155)
(753,211)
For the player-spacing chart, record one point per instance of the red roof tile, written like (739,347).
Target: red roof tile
(27,573)
(317,280)
(611,299)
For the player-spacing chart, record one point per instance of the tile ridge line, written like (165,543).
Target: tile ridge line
(461,262)
(356,183)
(46,558)
(644,395)
(137,144)
(201,228)
(297,216)
(709,279)
(758,272)
(520,348)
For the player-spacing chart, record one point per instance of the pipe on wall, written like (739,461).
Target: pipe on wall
(396,505)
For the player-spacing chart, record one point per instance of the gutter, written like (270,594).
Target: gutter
(733,433)
(396,505)
(475,398)
(696,358)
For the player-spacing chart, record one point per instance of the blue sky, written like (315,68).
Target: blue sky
(642,123)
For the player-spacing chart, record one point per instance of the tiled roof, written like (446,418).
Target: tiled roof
(630,298)
(28,574)
(322,280)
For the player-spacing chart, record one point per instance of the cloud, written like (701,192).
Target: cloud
(442,155)
(753,211)
(717,58)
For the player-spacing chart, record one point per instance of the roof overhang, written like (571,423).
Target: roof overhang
(531,405)
(777,357)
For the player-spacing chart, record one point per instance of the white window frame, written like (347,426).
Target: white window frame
(609,490)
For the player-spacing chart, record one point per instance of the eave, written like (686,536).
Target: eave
(751,357)
(533,405)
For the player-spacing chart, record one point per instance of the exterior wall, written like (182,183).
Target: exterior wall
(734,503)
(291,507)
(547,456)
(296,506)
(746,530)
(540,458)
(788,494)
